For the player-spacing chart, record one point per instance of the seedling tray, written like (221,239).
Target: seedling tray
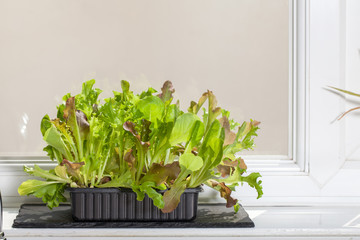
(114,204)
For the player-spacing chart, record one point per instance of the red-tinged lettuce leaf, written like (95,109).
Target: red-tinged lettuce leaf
(83,124)
(214,111)
(225,170)
(70,108)
(131,161)
(160,174)
(248,141)
(189,163)
(244,139)
(130,127)
(71,121)
(73,169)
(233,124)
(166,91)
(252,179)
(67,137)
(239,162)
(78,123)
(195,107)
(86,101)
(247,129)
(228,166)
(118,181)
(105,179)
(225,192)
(141,149)
(229,135)
(61,107)
(172,197)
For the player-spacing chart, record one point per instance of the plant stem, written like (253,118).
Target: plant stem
(108,156)
(141,159)
(121,154)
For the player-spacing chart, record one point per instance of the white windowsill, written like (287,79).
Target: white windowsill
(330,222)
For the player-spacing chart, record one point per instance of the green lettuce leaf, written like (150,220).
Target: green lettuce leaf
(152,108)
(252,179)
(148,188)
(182,129)
(190,162)
(38,172)
(51,192)
(54,138)
(172,197)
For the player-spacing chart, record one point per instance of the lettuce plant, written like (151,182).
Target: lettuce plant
(143,142)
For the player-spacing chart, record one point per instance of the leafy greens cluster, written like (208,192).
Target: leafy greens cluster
(143,142)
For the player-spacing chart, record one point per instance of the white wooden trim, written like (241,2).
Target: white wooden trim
(301,84)
(291,102)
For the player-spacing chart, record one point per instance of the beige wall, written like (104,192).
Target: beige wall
(237,48)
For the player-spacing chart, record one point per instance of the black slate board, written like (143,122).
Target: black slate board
(208,216)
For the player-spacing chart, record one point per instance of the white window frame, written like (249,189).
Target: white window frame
(296,161)
(316,172)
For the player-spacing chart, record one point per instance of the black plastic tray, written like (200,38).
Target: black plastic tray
(113,204)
